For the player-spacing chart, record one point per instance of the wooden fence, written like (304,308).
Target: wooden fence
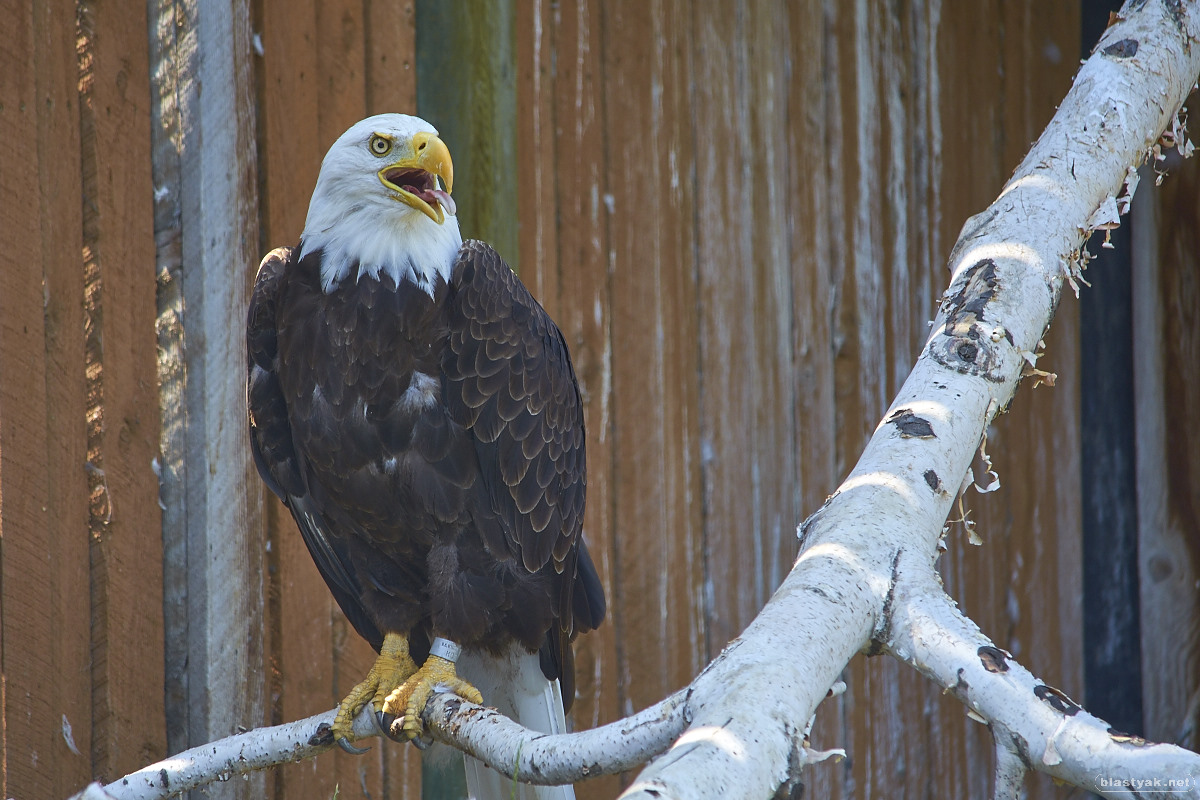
(738,212)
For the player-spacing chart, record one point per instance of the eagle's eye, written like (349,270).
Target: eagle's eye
(380,145)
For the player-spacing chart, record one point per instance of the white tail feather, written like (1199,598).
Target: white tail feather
(514,684)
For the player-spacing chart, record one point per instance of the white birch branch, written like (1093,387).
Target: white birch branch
(482,732)
(864,578)
(1010,770)
(545,760)
(1035,726)
(225,759)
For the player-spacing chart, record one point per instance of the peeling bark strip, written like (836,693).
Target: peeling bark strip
(994,659)
(1126,738)
(1057,699)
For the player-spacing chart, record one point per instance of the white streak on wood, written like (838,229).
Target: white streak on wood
(867,252)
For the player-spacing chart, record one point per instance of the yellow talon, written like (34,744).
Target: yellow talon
(391,669)
(408,701)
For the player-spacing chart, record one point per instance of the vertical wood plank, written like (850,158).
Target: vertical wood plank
(812,198)
(658,580)
(207,231)
(24,494)
(64,539)
(126,526)
(727,268)
(1108,461)
(44,608)
(391,76)
(843,79)
(772,309)
(537,148)
(864,300)
(18,152)
(167,20)
(1166,313)
(745,289)
(341,60)
(466,88)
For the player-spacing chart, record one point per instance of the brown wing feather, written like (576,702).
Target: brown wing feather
(273,447)
(510,380)
(270,433)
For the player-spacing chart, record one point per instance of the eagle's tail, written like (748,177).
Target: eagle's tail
(515,685)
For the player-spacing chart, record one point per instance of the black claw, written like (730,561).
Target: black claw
(423,741)
(344,743)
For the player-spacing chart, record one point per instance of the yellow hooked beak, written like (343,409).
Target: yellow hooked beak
(413,179)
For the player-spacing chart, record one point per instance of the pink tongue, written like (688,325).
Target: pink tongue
(444,200)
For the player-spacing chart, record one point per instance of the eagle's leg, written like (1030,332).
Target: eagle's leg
(393,666)
(408,700)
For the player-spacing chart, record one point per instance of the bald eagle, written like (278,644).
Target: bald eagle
(416,410)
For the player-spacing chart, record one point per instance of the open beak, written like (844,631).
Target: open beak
(414,178)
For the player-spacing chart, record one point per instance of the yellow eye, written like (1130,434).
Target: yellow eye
(380,145)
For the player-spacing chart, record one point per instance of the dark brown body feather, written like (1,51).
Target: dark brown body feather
(431,450)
